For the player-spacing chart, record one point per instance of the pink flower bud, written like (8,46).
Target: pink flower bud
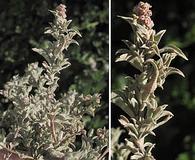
(148,22)
(149,13)
(142,18)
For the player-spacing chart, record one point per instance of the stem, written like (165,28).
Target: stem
(67,137)
(17,131)
(52,125)
(16,153)
(140,144)
(103,154)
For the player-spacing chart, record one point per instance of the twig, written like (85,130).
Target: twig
(103,154)
(16,153)
(52,117)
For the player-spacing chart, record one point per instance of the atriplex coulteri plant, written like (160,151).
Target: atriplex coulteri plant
(41,125)
(138,99)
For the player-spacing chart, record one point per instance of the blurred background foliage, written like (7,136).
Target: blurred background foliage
(22,24)
(176,139)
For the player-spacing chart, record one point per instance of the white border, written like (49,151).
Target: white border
(110,144)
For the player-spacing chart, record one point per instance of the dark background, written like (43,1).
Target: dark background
(176,139)
(22,24)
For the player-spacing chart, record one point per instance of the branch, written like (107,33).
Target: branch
(52,127)
(103,154)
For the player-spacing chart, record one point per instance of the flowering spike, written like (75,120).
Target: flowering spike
(138,98)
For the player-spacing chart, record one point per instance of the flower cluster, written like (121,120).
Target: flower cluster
(142,10)
(61,10)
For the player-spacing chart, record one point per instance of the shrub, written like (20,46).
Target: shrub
(42,125)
